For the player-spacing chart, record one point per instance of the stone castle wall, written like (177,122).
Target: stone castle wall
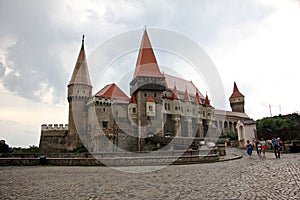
(53,138)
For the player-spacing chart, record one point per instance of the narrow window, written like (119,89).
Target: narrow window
(104,124)
(150,108)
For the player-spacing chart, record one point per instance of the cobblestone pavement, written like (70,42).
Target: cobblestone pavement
(246,178)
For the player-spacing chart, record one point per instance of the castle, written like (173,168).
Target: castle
(160,105)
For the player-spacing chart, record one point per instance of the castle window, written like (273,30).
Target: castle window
(77,91)
(175,107)
(155,95)
(145,94)
(150,108)
(168,106)
(117,113)
(133,110)
(83,91)
(103,109)
(104,124)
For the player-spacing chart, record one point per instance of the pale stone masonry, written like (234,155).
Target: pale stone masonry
(159,104)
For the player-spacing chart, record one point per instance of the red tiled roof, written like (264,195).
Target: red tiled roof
(132,99)
(112,91)
(236,92)
(146,64)
(197,98)
(81,73)
(175,93)
(150,99)
(207,101)
(182,85)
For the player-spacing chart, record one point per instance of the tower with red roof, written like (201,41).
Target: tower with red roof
(237,100)
(147,86)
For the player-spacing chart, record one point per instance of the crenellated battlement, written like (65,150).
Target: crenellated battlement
(51,127)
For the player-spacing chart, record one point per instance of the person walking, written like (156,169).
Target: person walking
(259,150)
(280,146)
(249,148)
(276,147)
(263,145)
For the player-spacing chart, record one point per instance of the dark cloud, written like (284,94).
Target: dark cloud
(42,34)
(33,59)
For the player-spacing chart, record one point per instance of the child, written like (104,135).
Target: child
(263,144)
(259,150)
(249,148)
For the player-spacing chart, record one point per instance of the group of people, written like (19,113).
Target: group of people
(261,146)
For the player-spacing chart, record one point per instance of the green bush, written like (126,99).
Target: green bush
(31,149)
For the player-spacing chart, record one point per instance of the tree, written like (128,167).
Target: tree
(286,127)
(4,148)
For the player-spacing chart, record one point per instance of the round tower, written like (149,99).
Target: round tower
(79,92)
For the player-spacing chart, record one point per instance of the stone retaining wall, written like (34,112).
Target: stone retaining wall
(121,161)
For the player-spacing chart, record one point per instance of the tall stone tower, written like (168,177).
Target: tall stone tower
(79,92)
(147,86)
(237,100)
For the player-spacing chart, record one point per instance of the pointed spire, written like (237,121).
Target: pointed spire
(82,42)
(81,73)
(207,101)
(146,64)
(175,93)
(236,92)
(186,95)
(197,99)
(132,99)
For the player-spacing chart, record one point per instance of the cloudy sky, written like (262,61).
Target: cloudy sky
(255,43)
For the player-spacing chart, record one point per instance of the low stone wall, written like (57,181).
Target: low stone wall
(121,161)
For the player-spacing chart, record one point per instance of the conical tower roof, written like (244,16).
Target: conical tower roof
(236,92)
(197,99)
(186,96)
(207,101)
(175,93)
(81,73)
(132,99)
(146,64)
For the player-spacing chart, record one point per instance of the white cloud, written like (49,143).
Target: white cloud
(264,63)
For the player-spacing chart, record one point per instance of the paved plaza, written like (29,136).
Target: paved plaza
(246,178)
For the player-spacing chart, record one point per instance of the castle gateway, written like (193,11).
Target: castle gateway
(159,106)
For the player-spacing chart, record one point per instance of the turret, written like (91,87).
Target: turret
(237,100)
(79,92)
(147,85)
(147,75)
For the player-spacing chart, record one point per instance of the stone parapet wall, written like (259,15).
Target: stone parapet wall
(51,127)
(121,161)
(53,139)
